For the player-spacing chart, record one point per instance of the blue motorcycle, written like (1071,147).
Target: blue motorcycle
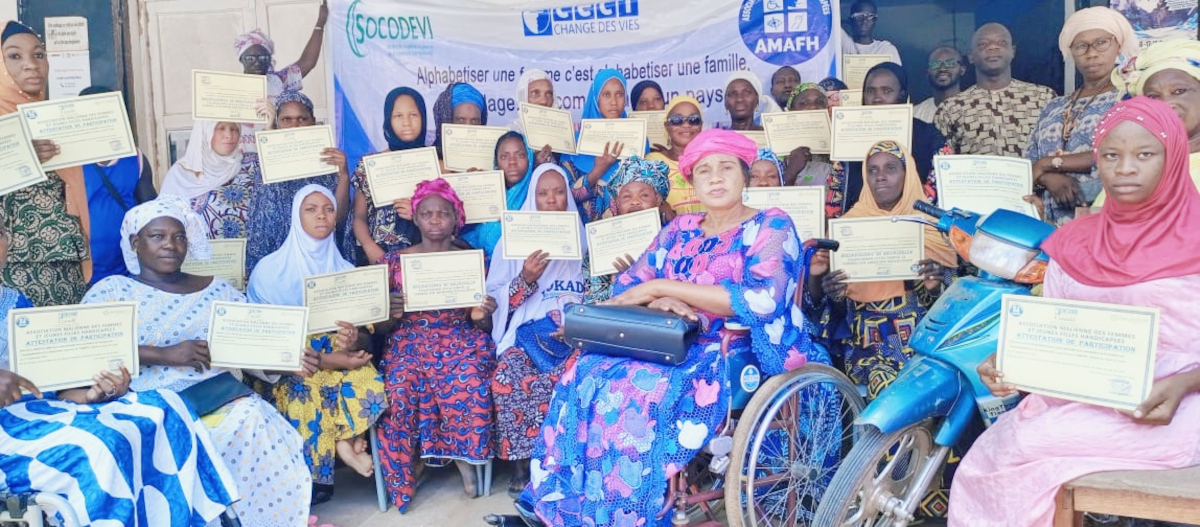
(906,433)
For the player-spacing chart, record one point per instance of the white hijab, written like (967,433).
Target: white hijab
(766,102)
(523,82)
(201,169)
(278,278)
(559,285)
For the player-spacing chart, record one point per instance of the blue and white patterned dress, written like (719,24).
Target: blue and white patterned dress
(1047,138)
(262,450)
(142,459)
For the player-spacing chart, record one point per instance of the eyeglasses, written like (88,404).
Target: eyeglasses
(943,64)
(256,58)
(859,17)
(1099,46)
(678,120)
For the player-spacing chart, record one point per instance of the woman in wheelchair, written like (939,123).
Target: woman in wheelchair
(118,457)
(618,428)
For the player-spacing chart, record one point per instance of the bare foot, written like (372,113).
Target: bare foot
(361,462)
(470,484)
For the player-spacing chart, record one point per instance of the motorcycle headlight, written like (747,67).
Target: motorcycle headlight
(999,257)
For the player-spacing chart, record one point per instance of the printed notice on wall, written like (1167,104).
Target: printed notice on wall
(66,33)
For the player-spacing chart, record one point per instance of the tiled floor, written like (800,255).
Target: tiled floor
(439,502)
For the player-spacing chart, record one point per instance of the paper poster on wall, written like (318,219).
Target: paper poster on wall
(66,33)
(1158,20)
(70,72)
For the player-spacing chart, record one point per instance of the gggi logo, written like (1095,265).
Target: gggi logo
(545,22)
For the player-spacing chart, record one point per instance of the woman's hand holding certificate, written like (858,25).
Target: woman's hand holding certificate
(619,237)
(787,131)
(805,205)
(443,280)
(294,153)
(394,175)
(595,136)
(556,233)
(466,147)
(224,96)
(257,336)
(548,126)
(877,249)
(85,129)
(857,128)
(66,346)
(358,296)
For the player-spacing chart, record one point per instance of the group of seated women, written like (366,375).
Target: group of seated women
(594,439)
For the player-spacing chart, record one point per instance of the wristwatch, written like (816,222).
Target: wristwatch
(1056,163)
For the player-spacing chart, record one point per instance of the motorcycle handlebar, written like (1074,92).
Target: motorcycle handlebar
(929,208)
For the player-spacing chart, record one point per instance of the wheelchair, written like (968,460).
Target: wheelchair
(44,509)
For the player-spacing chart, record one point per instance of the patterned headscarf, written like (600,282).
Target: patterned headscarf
(766,154)
(253,38)
(716,141)
(801,88)
(394,142)
(295,96)
(165,206)
(1182,55)
(439,187)
(648,171)
(1099,17)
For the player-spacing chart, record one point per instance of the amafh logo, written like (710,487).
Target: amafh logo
(786,32)
(606,17)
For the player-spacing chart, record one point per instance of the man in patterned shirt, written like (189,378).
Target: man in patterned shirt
(997,114)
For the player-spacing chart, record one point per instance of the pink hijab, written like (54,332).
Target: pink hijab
(1128,243)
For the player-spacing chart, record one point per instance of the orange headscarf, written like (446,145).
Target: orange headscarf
(76,193)
(936,247)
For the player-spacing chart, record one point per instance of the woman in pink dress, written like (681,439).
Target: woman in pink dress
(1140,250)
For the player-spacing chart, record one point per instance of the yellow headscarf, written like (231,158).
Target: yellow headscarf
(1182,55)
(936,247)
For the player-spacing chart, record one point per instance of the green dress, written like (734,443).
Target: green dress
(46,247)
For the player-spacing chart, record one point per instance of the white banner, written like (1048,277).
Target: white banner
(687,47)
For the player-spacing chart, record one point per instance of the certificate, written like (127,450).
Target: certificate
(257,336)
(446,280)
(612,238)
(656,126)
(806,206)
(293,153)
(759,137)
(555,233)
(18,160)
(482,193)
(857,128)
(855,68)
(466,146)
(1101,354)
(86,129)
(594,134)
(394,175)
(548,126)
(787,131)
(224,96)
(849,98)
(62,347)
(228,262)
(358,296)
(877,249)
(983,184)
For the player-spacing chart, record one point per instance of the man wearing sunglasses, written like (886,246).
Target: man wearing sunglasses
(946,68)
(859,40)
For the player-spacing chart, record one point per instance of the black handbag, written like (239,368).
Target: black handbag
(637,332)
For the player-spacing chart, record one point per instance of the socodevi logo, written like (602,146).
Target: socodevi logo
(606,17)
(363,27)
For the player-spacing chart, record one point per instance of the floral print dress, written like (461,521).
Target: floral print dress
(226,209)
(618,428)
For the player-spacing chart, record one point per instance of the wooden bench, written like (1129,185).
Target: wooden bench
(1162,495)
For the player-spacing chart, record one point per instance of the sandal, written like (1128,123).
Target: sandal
(320,494)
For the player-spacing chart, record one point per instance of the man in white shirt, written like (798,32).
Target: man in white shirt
(863,15)
(945,71)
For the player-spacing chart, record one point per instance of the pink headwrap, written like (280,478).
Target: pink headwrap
(717,141)
(253,38)
(439,187)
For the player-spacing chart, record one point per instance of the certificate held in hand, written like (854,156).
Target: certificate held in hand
(257,336)
(805,205)
(294,153)
(482,194)
(467,146)
(856,129)
(358,296)
(787,131)
(616,237)
(595,134)
(224,96)
(656,126)
(1101,354)
(855,68)
(19,165)
(394,175)
(555,233)
(444,280)
(62,347)
(983,184)
(228,262)
(877,249)
(86,130)
(548,126)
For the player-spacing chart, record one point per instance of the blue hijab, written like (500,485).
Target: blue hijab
(583,163)
(486,235)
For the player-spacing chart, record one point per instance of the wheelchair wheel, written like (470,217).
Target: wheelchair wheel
(787,446)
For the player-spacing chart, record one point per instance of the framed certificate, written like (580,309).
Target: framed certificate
(1101,354)
(656,126)
(857,128)
(759,137)
(594,134)
(787,131)
(62,347)
(19,166)
(855,68)
(482,193)
(358,296)
(983,184)
(548,126)
(805,205)
(618,236)
(445,280)
(228,262)
(394,175)
(224,96)
(257,336)
(293,153)
(877,249)
(86,129)
(556,233)
(467,146)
